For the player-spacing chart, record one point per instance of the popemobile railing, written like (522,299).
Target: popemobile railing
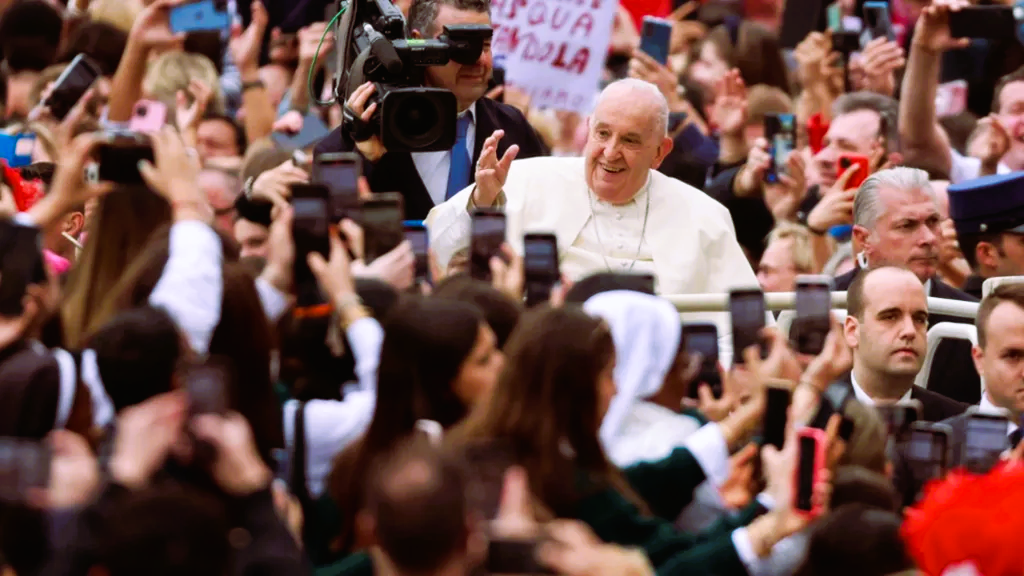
(787,301)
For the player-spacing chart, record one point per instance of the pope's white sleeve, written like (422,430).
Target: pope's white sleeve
(449,226)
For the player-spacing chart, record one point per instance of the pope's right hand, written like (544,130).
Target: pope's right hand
(491,172)
(373,148)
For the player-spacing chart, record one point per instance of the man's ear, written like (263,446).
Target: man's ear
(851,332)
(987,254)
(74,223)
(977,355)
(860,238)
(663,151)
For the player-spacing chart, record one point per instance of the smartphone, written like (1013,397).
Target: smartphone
(313,131)
(878,21)
(899,416)
(416,234)
(773,431)
(506,556)
(813,314)
(655,38)
(16,149)
(24,466)
(340,173)
(817,128)
(310,227)
(846,428)
(703,339)
(119,155)
(206,384)
(148,116)
(810,463)
(985,440)
(847,160)
(747,311)
(381,217)
(486,462)
(992,22)
(202,16)
(540,267)
(780,131)
(488,234)
(834,17)
(71,85)
(21,265)
(928,450)
(636,282)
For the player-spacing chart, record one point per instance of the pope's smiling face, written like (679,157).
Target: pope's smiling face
(625,141)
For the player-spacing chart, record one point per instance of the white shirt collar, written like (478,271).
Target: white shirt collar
(863,397)
(472,113)
(987,407)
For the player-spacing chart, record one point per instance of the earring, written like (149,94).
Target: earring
(862,260)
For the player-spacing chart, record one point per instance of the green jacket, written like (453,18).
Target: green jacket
(667,487)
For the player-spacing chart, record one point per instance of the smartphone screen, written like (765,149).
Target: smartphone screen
(775,416)
(703,339)
(540,257)
(21,264)
(309,232)
(202,16)
(878,21)
(985,440)
(207,387)
(340,174)
(780,131)
(928,447)
(416,234)
(899,417)
(993,22)
(16,149)
(71,85)
(805,473)
(382,225)
(24,465)
(487,237)
(747,310)
(655,38)
(119,158)
(813,317)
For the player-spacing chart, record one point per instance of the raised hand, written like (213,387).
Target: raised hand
(188,115)
(373,148)
(750,179)
(784,197)
(244,46)
(729,112)
(313,45)
(491,173)
(152,30)
(932,29)
(880,61)
(988,143)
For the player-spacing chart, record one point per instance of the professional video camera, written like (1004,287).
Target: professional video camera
(373,47)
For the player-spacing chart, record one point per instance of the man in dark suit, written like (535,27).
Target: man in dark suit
(896,222)
(887,328)
(426,179)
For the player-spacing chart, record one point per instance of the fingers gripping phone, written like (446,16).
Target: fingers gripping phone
(813,314)
(863,164)
(488,234)
(340,173)
(540,267)
(985,439)
(382,217)
(24,467)
(416,234)
(928,450)
(747,311)
(310,228)
(780,131)
(703,339)
(148,116)
(71,85)
(811,462)
(203,16)
(655,38)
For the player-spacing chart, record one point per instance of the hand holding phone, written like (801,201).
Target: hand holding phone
(878,20)
(71,85)
(202,16)
(416,234)
(148,116)
(994,22)
(780,131)
(119,155)
(863,164)
(703,339)
(811,462)
(656,38)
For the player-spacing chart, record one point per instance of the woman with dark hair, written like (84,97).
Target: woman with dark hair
(742,44)
(500,311)
(438,361)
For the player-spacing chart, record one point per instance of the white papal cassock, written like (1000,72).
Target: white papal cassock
(689,243)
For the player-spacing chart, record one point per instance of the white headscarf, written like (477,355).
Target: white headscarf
(646,330)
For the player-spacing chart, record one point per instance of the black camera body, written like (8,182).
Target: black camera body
(409,116)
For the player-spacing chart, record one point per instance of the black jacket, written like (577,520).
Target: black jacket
(396,172)
(953,374)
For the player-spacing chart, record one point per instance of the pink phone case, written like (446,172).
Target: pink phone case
(819,465)
(148,116)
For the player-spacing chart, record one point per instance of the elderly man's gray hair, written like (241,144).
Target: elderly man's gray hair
(867,207)
(648,89)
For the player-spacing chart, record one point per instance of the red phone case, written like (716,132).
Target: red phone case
(816,130)
(819,465)
(846,160)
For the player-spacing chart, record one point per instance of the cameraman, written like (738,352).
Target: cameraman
(424,178)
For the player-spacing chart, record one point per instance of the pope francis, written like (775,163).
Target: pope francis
(610,210)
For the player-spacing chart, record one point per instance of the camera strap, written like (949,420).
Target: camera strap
(359,130)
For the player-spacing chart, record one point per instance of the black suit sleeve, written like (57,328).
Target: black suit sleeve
(750,216)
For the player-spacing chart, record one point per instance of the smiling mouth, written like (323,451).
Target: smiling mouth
(611,170)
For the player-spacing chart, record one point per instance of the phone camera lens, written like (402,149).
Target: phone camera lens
(141,111)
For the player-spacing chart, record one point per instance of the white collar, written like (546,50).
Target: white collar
(987,407)
(863,397)
(472,113)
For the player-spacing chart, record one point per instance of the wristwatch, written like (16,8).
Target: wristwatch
(246,86)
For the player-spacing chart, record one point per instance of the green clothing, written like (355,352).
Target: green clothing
(667,487)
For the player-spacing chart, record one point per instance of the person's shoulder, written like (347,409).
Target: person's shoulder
(502,112)
(674,190)
(544,166)
(943,290)
(947,407)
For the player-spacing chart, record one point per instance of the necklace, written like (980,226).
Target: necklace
(643,230)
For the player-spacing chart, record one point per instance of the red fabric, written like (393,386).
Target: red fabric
(640,8)
(26,192)
(970,518)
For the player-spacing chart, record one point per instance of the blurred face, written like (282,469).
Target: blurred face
(221,197)
(1006,258)
(709,67)
(1001,362)
(853,133)
(252,238)
(906,233)
(1011,115)
(480,370)
(623,144)
(891,338)
(216,139)
(606,390)
(467,82)
(776,272)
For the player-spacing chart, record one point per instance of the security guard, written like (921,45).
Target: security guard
(988,214)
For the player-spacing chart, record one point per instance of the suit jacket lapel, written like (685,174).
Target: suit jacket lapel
(485,124)
(396,172)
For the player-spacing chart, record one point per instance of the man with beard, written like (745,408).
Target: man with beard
(896,223)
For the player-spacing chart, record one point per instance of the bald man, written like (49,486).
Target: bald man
(610,210)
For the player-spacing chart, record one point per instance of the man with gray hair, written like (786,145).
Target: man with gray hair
(611,210)
(896,223)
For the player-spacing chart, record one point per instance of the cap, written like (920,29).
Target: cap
(988,204)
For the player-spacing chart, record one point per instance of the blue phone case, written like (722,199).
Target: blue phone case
(655,38)
(198,17)
(16,149)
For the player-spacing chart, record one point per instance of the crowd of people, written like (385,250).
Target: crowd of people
(166,406)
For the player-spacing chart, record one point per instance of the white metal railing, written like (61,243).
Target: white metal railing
(787,301)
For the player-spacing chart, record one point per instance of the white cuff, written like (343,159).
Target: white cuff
(274,301)
(24,219)
(712,453)
(766,500)
(745,549)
